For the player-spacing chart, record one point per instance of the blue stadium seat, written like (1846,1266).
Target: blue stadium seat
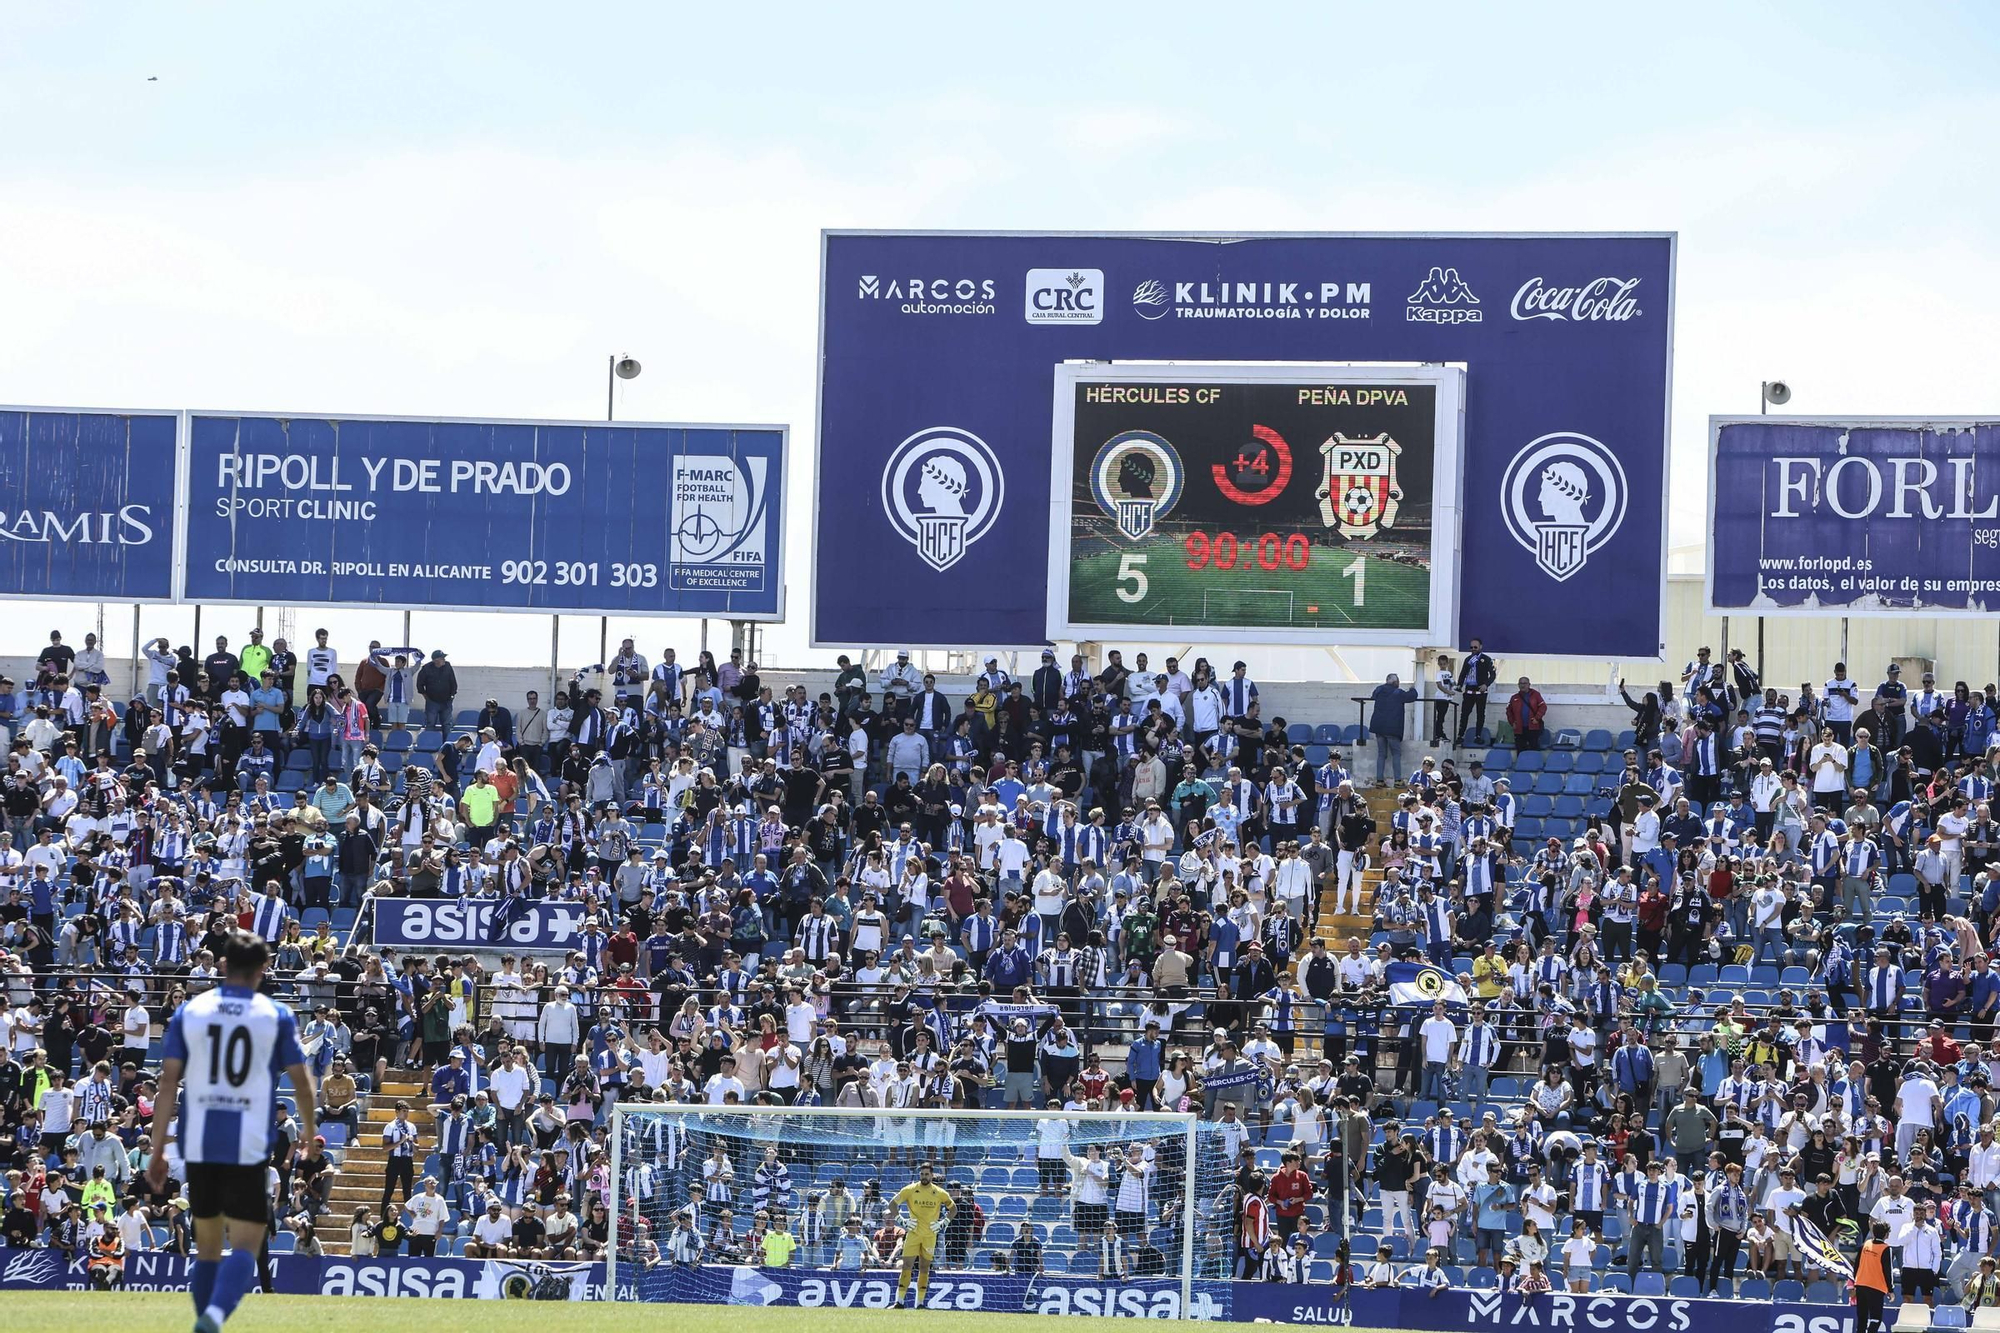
(467,717)
(1560,761)
(1795,976)
(1536,805)
(1615,1282)
(1650,1283)
(1676,974)
(1499,761)
(1765,974)
(1627,740)
(1733,974)
(428,741)
(1580,785)
(1316,754)
(1597,739)
(1324,1245)
(1569,807)
(1904,884)
(1701,974)
(1753,1289)
(283,1242)
(1590,763)
(1327,733)
(1788,1289)
(1482,1279)
(1298,733)
(1320,1270)
(394,740)
(1684,1285)
(1545,784)
(1569,738)
(1528,828)
(1824,1293)
(1528,761)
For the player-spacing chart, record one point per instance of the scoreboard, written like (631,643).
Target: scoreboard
(1256,504)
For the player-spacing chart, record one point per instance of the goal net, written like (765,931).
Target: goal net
(1049,1213)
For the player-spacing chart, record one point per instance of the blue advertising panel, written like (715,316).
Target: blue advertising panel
(87,504)
(938,357)
(430,923)
(597,518)
(1459,1308)
(813,1288)
(1854,516)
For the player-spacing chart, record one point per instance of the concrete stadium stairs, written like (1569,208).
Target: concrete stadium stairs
(364,1165)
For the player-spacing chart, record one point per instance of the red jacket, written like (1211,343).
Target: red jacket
(1526,710)
(1291,1191)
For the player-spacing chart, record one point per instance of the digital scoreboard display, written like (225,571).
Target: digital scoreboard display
(1262,504)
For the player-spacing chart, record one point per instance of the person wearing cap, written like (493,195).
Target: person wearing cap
(1982,1289)
(437,682)
(1782,1202)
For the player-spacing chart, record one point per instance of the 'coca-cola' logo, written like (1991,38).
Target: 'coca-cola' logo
(1603,299)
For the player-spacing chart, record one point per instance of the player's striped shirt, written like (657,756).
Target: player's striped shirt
(233,1044)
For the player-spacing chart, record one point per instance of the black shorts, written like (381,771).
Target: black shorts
(238,1193)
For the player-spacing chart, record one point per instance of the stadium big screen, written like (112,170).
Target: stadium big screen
(1253,502)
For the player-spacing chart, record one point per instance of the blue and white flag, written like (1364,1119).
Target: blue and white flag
(1420,983)
(1816,1248)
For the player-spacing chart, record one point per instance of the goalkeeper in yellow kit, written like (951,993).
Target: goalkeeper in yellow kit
(930,1208)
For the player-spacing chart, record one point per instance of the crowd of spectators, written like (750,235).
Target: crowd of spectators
(889,897)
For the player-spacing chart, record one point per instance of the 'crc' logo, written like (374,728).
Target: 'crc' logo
(1065,296)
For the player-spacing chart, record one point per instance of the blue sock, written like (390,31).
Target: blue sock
(203,1286)
(239,1270)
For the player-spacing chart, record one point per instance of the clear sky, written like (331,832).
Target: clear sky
(462,209)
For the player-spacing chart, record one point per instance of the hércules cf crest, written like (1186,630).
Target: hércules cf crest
(1359,493)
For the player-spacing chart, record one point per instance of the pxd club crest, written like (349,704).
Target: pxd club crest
(1358,494)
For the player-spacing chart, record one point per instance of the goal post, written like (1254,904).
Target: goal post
(1065,1212)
